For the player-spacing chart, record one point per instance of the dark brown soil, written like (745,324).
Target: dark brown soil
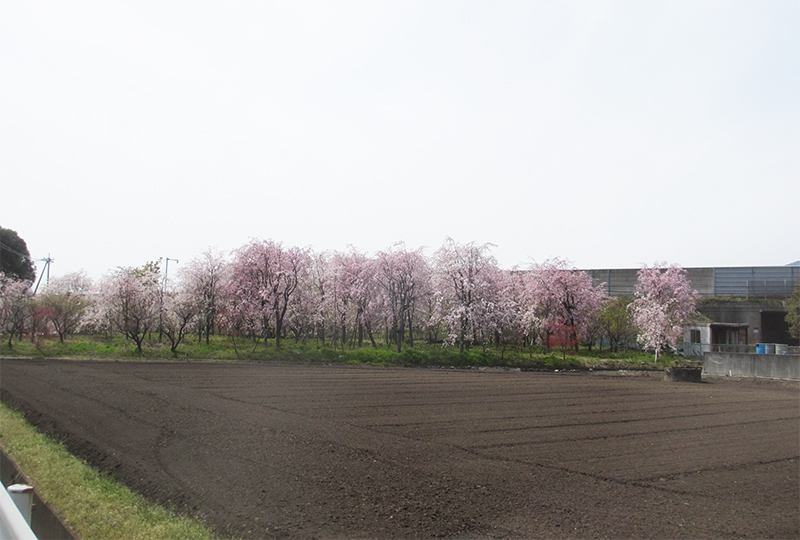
(281,451)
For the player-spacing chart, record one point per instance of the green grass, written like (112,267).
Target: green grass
(92,503)
(222,348)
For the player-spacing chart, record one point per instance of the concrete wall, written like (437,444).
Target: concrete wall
(766,321)
(764,366)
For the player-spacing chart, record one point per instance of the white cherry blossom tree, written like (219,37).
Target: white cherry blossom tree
(664,302)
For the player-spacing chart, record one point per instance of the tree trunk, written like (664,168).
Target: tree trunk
(410,330)
(371,337)
(400,330)
(265,331)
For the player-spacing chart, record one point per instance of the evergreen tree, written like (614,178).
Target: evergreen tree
(15,260)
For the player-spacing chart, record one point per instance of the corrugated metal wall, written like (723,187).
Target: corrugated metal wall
(757,282)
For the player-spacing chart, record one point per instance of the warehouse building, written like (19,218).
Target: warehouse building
(745,305)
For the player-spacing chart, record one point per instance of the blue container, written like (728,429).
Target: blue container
(761,348)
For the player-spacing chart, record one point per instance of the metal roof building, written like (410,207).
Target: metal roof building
(750,282)
(758,314)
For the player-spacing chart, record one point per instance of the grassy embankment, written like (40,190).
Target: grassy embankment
(91,502)
(226,349)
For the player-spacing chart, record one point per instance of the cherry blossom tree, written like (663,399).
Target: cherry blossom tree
(400,274)
(181,309)
(237,319)
(664,302)
(508,316)
(365,295)
(131,301)
(205,278)
(265,278)
(339,302)
(526,324)
(557,290)
(302,314)
(467,278)
(15,298)
(65,300)
(315,292)
(352,298)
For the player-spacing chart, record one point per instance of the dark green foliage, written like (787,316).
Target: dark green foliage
(413,357)
(15,259)
(616,321)
(793,312)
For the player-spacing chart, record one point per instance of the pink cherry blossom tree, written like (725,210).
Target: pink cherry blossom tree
(507,315)
(400,275)
(664,302)
(65,300)
(315,293)
(206,279)
(467,278)
(15,298)
(353,295)
(265,278)
(559,291)
(181,309)
(525,324)
(303,311)
(365,294)
(340,303)
(131,301)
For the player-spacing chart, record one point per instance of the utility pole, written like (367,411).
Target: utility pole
(161,296)
(166,270)
(46,269)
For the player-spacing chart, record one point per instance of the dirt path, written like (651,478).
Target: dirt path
(269,451)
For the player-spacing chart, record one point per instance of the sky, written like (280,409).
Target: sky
(612,134)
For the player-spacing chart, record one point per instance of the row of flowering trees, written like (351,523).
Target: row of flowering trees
(267,291)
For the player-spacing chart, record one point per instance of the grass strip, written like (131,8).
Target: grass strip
(225,349)
(91,502)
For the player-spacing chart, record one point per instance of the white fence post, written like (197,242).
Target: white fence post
(22,495)
(13,525)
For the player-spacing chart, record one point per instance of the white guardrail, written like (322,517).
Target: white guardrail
(13,525)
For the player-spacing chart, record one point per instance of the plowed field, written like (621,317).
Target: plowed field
(282,451)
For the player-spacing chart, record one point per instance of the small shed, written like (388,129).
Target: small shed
(714,337)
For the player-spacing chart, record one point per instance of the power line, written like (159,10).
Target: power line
(47,260)
(17,253)
(7,248)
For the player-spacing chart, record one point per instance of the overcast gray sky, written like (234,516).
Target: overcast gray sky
(609,133)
